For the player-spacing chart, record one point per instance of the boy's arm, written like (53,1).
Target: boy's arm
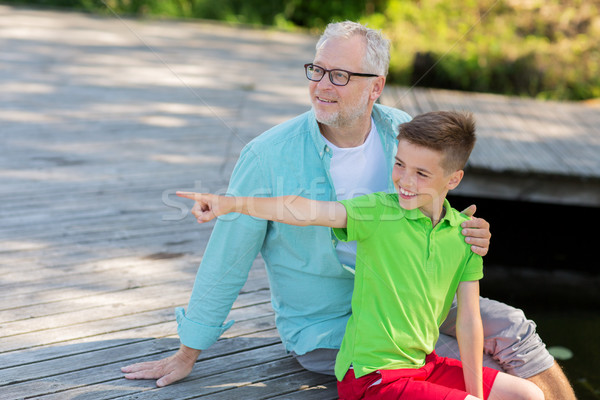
(469,333)
(292,210)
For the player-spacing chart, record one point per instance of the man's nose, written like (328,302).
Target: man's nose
(325,82)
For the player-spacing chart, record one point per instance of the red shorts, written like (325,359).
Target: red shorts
(440,379)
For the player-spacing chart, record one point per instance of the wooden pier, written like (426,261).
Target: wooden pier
(541,151)
(102,119)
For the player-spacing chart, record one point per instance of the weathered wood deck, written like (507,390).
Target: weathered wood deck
(101,120)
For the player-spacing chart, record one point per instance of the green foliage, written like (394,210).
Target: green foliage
(540,48)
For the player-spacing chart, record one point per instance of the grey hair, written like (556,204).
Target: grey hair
(377,57)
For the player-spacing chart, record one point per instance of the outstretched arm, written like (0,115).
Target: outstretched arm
(469,333)
(292,210)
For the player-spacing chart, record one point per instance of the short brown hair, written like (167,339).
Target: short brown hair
(449,132)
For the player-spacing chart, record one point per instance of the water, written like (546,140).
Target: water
(543,260)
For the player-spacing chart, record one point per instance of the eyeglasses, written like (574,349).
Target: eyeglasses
(338,77)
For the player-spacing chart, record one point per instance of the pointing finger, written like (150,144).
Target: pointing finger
(187,195)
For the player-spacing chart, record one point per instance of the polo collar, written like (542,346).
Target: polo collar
(449,216)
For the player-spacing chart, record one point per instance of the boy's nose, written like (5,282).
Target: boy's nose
(407,181)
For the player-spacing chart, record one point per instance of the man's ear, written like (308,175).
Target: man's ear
(377,87)
(455,179)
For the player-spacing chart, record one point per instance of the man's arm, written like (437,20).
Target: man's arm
(469,333)
(476,232)
(292,210)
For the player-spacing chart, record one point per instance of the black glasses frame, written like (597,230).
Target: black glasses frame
(330,71)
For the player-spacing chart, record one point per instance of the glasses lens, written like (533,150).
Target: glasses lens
(314,73)
(339,77)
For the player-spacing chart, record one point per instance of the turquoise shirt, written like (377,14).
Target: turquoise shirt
(310,291)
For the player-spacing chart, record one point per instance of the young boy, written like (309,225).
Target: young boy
(411,261)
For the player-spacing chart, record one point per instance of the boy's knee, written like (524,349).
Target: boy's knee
(514,388)
(533,392)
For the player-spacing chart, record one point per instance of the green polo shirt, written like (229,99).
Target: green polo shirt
(407,273)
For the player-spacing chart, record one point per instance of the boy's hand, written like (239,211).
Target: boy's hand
(207,207)
(477,232)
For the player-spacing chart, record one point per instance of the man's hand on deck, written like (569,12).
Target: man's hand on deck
(167,370)
(477,232)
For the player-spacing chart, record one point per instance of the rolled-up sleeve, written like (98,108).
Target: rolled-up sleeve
(234,244)
(196,335)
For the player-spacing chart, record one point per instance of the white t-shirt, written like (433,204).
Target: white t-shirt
(357,171)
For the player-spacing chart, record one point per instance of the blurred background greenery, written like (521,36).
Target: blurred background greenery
(548,49)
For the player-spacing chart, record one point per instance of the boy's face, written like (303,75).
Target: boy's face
(420,180)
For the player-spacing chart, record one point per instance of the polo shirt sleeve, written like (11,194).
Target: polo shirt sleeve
(473,270)
(362,218)
(234,243)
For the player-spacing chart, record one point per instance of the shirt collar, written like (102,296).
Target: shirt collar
(449,215)
(383,123)
(315,134)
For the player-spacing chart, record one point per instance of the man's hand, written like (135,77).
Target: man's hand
(477,232)
(166,370)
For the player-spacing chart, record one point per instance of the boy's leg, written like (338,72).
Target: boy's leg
(514,388)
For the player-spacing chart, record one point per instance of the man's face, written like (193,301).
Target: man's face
(420,180)
(341,106)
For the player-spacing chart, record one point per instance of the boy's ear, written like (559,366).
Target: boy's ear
(455,179)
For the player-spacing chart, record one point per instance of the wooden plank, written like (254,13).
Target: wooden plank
(572,147)
(163,275)
(120,304)
(295,383)
(521,135)
(84,370)
(401,98)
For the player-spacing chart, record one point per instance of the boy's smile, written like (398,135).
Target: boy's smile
(405,194)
